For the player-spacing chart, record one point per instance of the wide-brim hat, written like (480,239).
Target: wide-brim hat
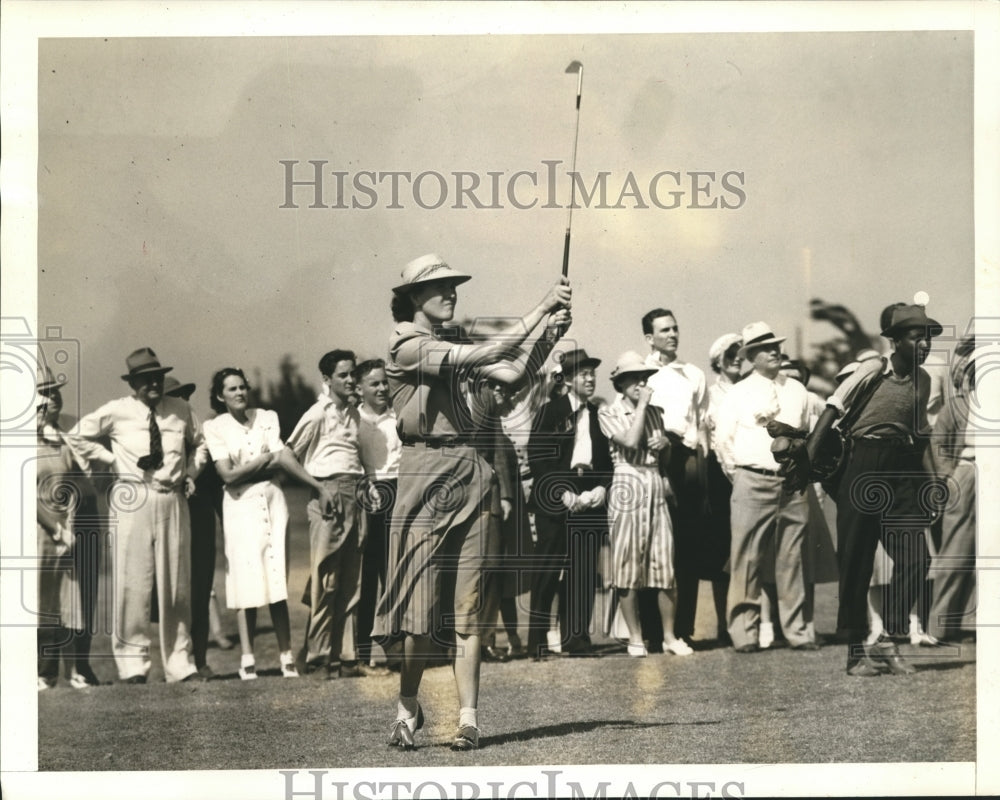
(47,381)
(143,362)
(175,388)
(574,360)
(906,317)
(425,269)
(631,363)
(722,344)
(758,334)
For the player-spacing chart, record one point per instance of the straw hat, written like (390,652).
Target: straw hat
(425,269)
(631,363)
(757,334)
(46,381)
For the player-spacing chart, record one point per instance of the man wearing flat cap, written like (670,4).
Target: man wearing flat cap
(888,398)
(571,468)
(767,522)
(156,451)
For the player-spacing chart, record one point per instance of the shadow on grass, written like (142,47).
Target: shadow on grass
(566,728)
(923,666)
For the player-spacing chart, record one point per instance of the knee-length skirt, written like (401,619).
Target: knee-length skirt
(441,544)
(255,527)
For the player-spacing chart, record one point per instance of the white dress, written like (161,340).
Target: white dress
(254,515)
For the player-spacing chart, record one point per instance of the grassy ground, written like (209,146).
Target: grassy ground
(713,707)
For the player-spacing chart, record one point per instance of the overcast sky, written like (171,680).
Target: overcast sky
(160,186)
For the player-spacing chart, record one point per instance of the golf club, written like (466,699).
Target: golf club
(577,68)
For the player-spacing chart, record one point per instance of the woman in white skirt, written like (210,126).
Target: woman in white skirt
(247,450)
(642,544)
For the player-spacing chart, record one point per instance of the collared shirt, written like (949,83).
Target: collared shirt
(616,419)
(380,445)
(679,390)
(583,448)
(126,422)
(325,439)
(427,390)
(741,434)
(226,438)
(716,394)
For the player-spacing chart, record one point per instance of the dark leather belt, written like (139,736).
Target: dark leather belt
(771,473)
(436,444)
(893,440)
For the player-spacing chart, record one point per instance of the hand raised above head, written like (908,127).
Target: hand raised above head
(561,319)
(560,295)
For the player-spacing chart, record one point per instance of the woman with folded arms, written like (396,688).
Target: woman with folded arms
(245,445)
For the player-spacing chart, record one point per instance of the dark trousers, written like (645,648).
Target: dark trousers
(202,572)
(374,563)
(882,497)
(569,542)
(688,523)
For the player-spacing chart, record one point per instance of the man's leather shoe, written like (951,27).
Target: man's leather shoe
(377,671)
(495,654)
(863,667)
(886,652)
(350,669)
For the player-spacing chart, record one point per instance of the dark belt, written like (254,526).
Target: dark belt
(436,444)
(894,440)
(771,473)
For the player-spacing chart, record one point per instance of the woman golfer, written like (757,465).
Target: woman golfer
(441,538)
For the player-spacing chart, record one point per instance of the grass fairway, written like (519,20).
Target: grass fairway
(710,708)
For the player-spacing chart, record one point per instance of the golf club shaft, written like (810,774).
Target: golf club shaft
(576,139)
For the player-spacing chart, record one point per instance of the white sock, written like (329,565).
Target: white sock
(406,709)
(468,716)
(247,660)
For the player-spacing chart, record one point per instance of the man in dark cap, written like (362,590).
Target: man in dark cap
(571,468)
(156,451)
(887,399)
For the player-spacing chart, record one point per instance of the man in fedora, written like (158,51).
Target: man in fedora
(767,521)
(888,452)
(571,469)
(156,451)
(679,390)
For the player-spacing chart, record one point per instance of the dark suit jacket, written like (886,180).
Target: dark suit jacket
(550,449)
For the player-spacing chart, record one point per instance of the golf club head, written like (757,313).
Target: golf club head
(574,67)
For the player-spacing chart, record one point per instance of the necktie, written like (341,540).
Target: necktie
(155,458)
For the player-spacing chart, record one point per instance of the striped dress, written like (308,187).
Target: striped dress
(642,542)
